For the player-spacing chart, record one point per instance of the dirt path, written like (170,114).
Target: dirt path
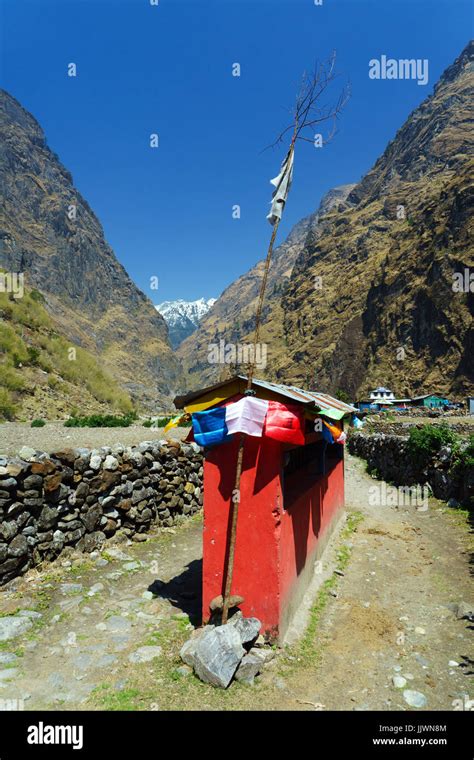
(394,614)
(97,637)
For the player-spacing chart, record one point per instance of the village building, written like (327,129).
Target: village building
(291,499)
(380,398)
(430,400)
(382,395)
(383,399)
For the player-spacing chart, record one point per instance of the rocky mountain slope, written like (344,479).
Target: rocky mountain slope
(232,316)
(183,317)
(49,232)
(370,298)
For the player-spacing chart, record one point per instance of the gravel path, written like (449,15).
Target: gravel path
(104,632)
(54,436)
(91,619)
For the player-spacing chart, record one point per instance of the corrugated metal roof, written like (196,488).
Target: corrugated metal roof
(427,395)
(322,401)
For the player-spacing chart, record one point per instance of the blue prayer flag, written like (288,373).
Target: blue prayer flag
(327,435)
(210,428)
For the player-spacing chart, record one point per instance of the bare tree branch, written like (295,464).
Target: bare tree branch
(309,109)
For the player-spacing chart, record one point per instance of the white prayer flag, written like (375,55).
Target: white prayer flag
(246,416)
(282,184)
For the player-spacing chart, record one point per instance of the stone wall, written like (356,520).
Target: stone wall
(388,457)
(402,428)
(80,498)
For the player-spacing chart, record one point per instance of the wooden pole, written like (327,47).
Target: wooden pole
(234,507)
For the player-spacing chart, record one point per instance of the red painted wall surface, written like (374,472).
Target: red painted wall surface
(256,554)
(274,544)
(305,522)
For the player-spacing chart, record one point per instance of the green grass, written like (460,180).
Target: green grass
(101,421)
(11,343)
(181,622)
(156,638)
(81,567)
(7,406)
(28,339)
(306,650)
(7,614)
(10,378)
(43,600)
(6,646)
(84,369)
(116,700)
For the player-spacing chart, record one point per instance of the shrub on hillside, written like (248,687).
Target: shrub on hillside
(38,423)
(101,420)
(425,442)
(50,352)
(11,343)
(463,458)
(33,355)
(7,407)
(10,378)
(37,296)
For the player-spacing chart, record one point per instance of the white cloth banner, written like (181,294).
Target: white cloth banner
(282,184)
(246,416)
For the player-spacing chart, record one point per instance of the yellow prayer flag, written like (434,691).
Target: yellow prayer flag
(174,422)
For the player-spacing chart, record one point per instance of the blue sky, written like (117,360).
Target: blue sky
(167,69)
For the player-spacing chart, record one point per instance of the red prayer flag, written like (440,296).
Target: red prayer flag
(285,422)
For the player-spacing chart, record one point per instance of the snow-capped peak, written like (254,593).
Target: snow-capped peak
(183,317)
(174,311)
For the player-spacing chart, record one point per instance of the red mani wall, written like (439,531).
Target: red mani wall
(312,507)
(276,546)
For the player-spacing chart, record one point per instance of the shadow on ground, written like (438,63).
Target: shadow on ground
(184,591)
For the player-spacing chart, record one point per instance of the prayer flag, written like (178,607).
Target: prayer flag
(246,416)
(285,422)
(210,427)
(337,435)
(174,422)
(282,184)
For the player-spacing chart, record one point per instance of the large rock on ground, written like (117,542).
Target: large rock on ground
(217,655)
(250,666)
(247,628)
(188,650)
